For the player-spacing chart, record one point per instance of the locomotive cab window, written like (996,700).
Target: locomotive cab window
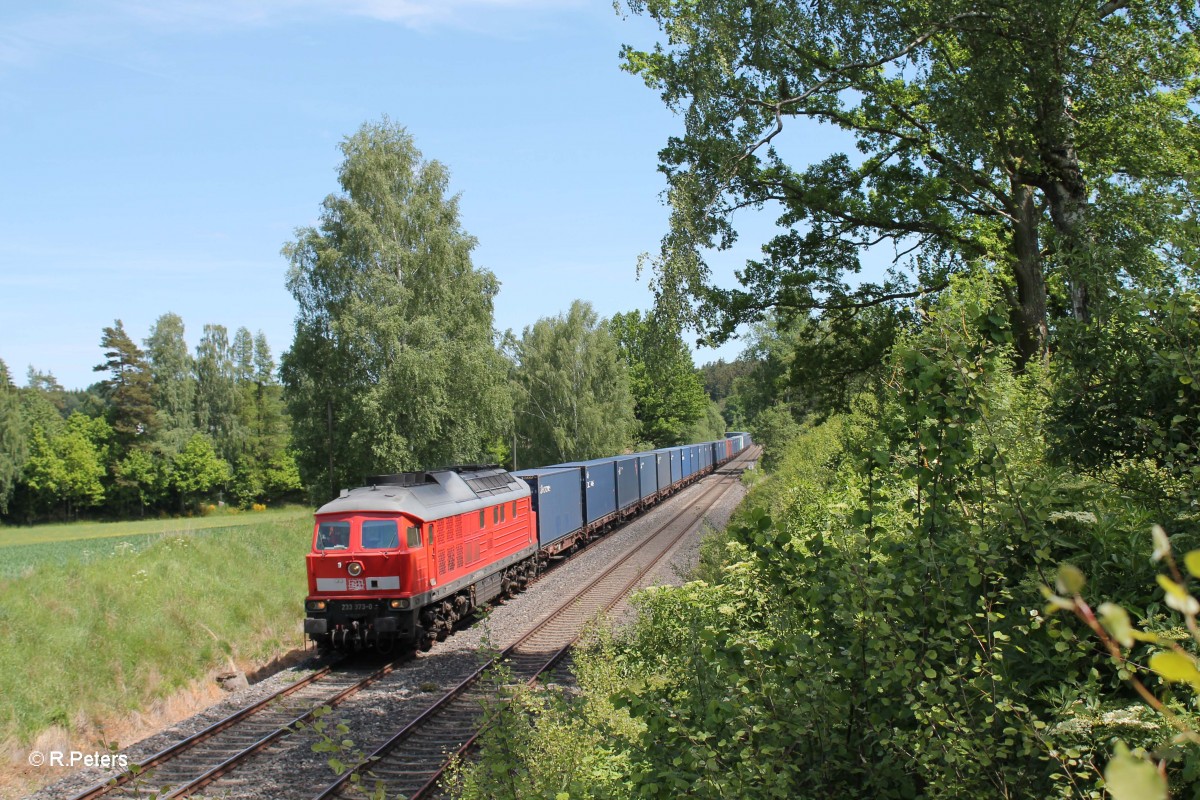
(414,536)
(380,534)
(333,535)
(429,532)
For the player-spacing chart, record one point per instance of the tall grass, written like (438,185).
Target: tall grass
(93,639)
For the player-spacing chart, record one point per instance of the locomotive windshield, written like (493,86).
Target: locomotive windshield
(380,534)
(333,536)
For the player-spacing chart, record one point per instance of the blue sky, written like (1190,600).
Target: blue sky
(155,155)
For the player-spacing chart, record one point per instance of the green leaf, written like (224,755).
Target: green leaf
(1176,667)
(1128,777)
(1116,621)
(1162,545)
(1070,579)
(1177,597)
(1191,560)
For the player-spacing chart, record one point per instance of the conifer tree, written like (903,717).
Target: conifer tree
(129,389)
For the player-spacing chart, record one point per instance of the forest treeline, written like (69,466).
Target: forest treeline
(163,430)
(169,431)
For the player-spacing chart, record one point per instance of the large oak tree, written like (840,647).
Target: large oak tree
(1052,140)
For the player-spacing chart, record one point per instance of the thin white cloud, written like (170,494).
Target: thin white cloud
(96,24)
(242,13)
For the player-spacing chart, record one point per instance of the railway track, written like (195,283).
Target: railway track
(192,763)
(412,761)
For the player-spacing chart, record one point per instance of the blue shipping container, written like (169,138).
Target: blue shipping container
(647,474)
(628,491)
(676,464)
(557,501)
(599,483)
(663,459)
(685,461)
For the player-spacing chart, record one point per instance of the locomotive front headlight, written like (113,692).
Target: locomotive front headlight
(354,568)
(315,605)
(398,603)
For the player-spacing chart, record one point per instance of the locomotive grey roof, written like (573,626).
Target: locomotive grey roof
(431,495)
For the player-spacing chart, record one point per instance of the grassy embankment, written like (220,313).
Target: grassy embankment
(101,622)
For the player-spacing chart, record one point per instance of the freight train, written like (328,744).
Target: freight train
(398,562)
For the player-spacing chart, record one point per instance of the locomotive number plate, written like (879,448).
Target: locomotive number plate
(356,606)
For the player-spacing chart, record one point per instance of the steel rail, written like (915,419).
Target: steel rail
(143,771)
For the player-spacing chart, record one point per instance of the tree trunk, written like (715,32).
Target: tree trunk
(1066,194)
(1028,306)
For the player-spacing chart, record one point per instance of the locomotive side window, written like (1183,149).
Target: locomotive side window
(380,534)
(482,520)
(514,509)
(429,530)
(333,535)
(414,536)
(495,515)
(502,512)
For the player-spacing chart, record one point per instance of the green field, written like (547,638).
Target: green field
(22,548)
(98,621)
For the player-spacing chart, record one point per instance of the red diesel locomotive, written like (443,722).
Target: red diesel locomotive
(403,559)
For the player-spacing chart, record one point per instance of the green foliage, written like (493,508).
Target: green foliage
(1126,405)
(572,391)
(708,428)
(393,366)
(550,741)
(218,412)
(774,429)
(1143,772)
(172,371)
(197,470)
(66,468)
(668,394)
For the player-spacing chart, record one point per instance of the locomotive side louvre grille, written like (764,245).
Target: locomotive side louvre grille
(458,540)
(441,553)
